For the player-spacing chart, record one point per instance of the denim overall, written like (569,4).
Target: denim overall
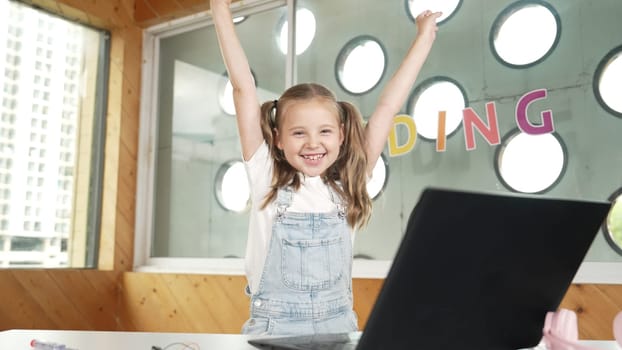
(306,283)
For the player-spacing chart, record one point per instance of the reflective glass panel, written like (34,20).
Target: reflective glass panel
(447,7)
(523,34)
(613,225)
(379,177)
(360,65)
(433,96)
(531,163)
(232,189)
(610,81)
(305,31)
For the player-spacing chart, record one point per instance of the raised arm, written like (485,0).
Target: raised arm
(396,91)
(244,91)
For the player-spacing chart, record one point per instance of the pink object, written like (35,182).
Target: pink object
(561,331)
(617,328)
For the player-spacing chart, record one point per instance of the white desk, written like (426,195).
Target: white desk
(89,340)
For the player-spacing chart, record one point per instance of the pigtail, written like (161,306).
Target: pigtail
(284,174)
(351,167)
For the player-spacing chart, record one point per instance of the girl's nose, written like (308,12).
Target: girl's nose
(313,141)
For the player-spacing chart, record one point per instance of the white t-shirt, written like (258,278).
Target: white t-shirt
(313,196)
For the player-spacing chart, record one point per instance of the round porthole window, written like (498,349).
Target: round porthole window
(239,19)
(612,227)
(432,96)
(305,31)
(225,94)
(379,177)
(447,7)
(232,189)
(530,163)
(608,82)
(525,33)
(360,65)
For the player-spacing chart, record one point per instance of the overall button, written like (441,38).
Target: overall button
(257,303)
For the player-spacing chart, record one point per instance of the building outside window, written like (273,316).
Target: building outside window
(52,122)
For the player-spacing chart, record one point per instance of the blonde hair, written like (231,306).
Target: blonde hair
(350,168)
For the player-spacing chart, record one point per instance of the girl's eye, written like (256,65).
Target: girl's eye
(326,131)
(298,133)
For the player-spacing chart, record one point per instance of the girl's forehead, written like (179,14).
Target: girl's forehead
(310,111)
(310,107)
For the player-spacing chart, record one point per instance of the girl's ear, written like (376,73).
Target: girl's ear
(277,138)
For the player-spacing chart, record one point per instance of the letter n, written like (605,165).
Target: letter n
(471,120)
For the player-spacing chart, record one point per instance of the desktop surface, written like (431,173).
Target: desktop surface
(19,339)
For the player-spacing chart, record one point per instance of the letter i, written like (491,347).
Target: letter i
(441,137)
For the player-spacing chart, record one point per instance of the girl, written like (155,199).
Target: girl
(308,158)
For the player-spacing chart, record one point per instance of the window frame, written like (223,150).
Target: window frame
(147,141)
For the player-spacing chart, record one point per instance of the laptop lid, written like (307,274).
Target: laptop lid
(480,271)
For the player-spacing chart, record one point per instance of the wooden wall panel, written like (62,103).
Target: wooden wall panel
(596,305)
(217,304)
(59,299)
(184,302)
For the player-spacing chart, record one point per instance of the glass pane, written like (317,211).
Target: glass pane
(378,178)
(613,226)
(525,33)
(48,193)
(447,7)
(232,189)
(531,163)
(226,97)
(609,81)
(431,97)
(305,31)
(360,65)
(196,137)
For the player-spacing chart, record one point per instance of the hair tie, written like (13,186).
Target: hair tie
(273,112)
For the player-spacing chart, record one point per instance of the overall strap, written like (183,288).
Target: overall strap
(283,200)
(336,199)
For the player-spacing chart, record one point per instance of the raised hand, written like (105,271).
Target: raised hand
(426,23)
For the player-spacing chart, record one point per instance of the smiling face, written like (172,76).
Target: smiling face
(310,135)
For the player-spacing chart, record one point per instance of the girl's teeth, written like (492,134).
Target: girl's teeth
(315,157)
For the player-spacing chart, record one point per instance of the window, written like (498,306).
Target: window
(232,191)
(432,96)
(612,227)
(447,7)
(525,33)
(608,82)
(379,177)
(305,31)
(199,141)
(360,64)
(44,61)
(530,163)
(225,94)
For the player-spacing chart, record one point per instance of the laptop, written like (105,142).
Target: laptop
(473,271)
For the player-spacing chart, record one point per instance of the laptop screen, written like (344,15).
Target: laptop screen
(480,271)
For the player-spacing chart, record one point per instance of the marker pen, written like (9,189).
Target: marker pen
(41,345)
